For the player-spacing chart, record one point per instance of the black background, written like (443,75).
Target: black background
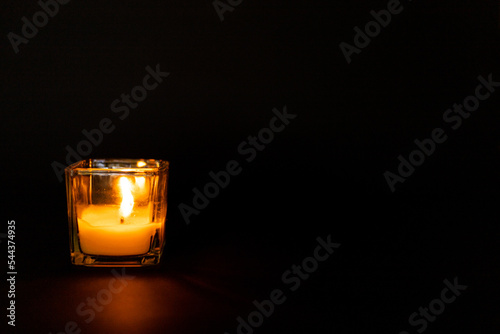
(323,175)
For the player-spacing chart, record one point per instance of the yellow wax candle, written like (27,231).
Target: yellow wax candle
(116,230)
(102,233)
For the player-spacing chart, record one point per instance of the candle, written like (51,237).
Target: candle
(117,211)
(113,230)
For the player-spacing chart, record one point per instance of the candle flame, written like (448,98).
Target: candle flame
(127,198)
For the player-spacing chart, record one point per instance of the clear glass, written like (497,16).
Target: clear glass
(117,211)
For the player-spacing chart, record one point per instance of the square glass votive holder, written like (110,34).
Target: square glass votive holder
(117,210)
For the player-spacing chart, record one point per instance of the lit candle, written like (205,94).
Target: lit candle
(114,230)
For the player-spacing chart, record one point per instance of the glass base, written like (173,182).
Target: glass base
(82,259)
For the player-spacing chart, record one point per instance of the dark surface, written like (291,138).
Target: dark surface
(322,175)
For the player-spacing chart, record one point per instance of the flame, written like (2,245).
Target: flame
(141,164)
(127,198)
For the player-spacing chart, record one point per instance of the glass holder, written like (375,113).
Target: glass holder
(117,211)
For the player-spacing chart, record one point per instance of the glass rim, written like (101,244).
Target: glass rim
(86,166)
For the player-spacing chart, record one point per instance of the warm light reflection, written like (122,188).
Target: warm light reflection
(140,181)
(141,164)
(127,198)
(137,304)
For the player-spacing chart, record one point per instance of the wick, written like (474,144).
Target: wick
(122,220)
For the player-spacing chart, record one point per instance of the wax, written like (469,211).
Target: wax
(101,231)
